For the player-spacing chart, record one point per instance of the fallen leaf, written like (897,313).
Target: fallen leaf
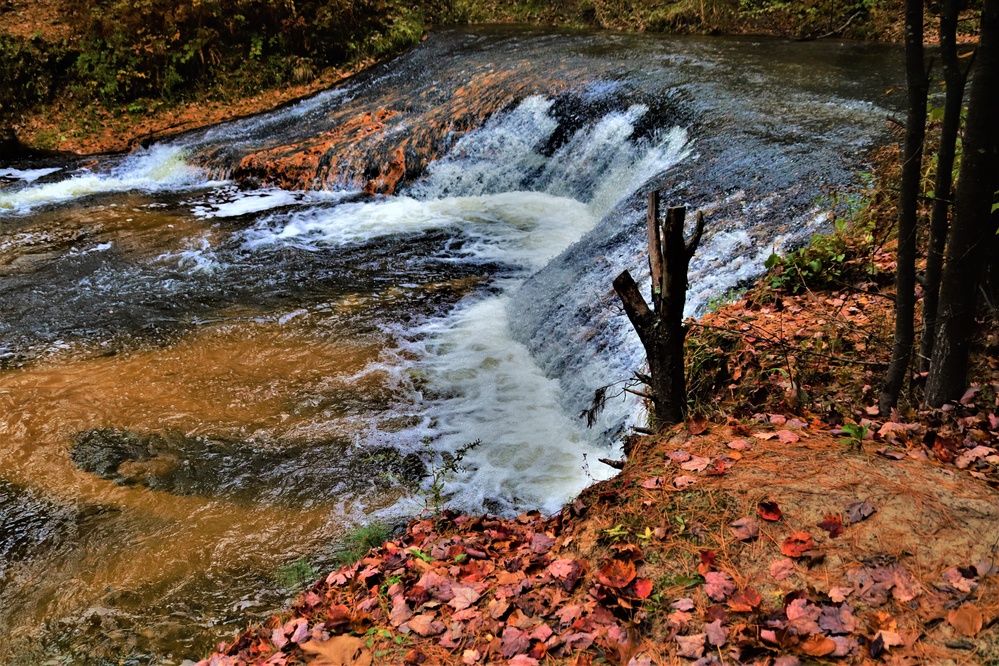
(425,625)
(695,464)
(797,544)
(782,568)
(859,511)
(769,511)
(653,483)
(740,445)
(463,597)
(787,436)
(787,660)
(523,660)
(832,524)
(839,594)
(678,456)
(469,657)
(685,604)
(959,580)
(691,647)
(818,646)
(514,641)
(682,482)
(966,620)
(616,573)
(716,633)
(745,529)
(698,425)
(643,588)
(718,585)
(338,651)
(744,601)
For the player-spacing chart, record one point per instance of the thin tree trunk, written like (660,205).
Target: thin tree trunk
(975,225)
(955,78)
(661,328)
(917,83)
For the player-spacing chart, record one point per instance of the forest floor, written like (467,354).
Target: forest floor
(785,523)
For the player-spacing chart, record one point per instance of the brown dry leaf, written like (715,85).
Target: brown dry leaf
(744,529)
(698,425)
(695,464)
(782,568)
(463,597)
(338,651)
(691,647)
(787,436)
(683,481)
(653,483)
(514,642)
(744,601)
(818,646)
(797,544)
(718,585)
(616,573)
(425,625)
(769,511)
(717,634)
(859,511)
(966,620)
(739,445)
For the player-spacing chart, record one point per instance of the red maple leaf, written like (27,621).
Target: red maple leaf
(832,524)
(769,511)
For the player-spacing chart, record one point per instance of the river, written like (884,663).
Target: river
(220,353)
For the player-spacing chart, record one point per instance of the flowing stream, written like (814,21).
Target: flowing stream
(222,352)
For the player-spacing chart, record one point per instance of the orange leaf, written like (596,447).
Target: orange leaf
(797,544)
(966,620)
(643,588)
(818,646)
(697,425)
(616,573)
(744,601)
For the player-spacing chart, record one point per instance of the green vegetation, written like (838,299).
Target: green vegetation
(360,540)
(295,576)
(135,56)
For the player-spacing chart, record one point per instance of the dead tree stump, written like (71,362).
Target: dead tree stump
(661,328)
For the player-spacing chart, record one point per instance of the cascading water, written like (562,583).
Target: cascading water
(223,350)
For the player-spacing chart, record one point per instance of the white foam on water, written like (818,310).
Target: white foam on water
(198,257)
(516,206)
(160,167)
(28,175)
(249,202)
(532,454)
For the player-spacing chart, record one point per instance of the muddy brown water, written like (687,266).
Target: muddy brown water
(205,384)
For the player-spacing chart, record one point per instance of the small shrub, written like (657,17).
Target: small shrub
(295,576)
(360,540)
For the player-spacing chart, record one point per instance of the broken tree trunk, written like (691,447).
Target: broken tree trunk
(661,327)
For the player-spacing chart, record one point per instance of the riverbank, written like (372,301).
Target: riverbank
(84,78)
(784,522)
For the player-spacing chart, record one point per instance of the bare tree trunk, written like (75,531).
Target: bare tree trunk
(661,328)
(975,225)
(955,78)
(905,282)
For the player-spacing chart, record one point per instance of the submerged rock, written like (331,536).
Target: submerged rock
(186,465)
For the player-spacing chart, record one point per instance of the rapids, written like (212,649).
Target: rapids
(221,352)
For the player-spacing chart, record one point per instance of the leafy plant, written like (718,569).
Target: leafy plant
(855,435)
(449,465)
